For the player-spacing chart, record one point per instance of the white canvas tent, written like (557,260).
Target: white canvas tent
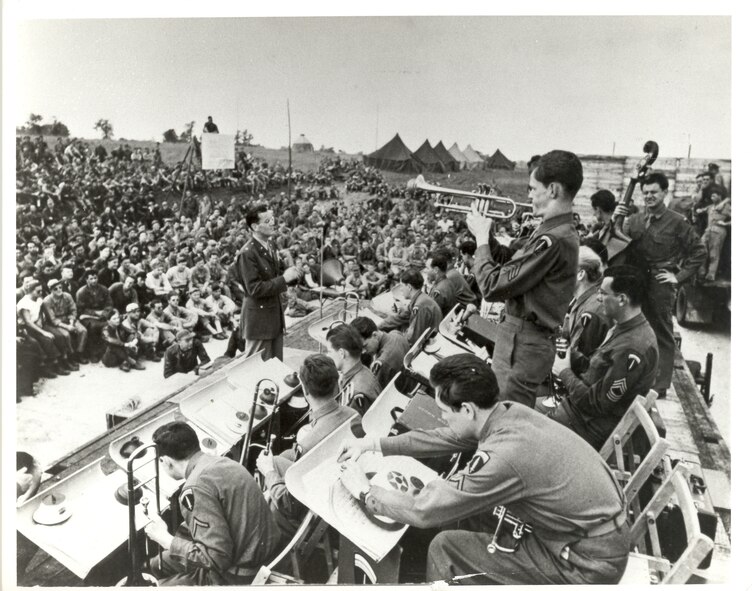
(474,160)
(458,156)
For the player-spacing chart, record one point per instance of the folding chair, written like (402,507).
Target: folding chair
(631,469)
(674,489)
(311,534)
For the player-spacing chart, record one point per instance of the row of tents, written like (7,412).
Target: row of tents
(396,156)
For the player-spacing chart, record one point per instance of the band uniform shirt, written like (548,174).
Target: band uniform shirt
(623,367)
(542,472)
(585,325)
(666,240)
(424,313)
(462,290)
(443,293)
(362,384)
(538,282)
(228,519)
(392,348)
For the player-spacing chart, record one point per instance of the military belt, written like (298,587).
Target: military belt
(521,324)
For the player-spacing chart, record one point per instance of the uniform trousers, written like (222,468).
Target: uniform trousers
(658,309)
(270,347)
(522,360)
(174,574)
(597,560)
(95,343)
(713,239)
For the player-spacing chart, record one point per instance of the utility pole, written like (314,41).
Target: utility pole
(689,148)
(289,152)
(613,149)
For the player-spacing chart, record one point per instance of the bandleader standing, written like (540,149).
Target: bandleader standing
(260,270)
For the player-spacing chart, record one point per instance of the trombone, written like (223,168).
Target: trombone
(484,201)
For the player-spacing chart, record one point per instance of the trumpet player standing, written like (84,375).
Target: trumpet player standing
(536,282)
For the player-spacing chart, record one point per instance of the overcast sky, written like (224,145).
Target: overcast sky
(522,84)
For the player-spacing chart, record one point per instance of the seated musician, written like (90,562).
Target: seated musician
(319,382)
(624,365)
(544,474)
(228,531)
(416,311)
(359,386)
(387,349)
(586,324)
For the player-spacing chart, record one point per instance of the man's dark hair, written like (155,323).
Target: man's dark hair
(703,174)
(597,247)
(465,378)
(344,336)
(628,280)
(319,375)
(91,271)
(713,167)
(252,217)
(655,177)
(532,163)
(719,189)
(176,440)
(560,166)
(440,259)
(365,326)
(413,278)
(468,247)
(603,200)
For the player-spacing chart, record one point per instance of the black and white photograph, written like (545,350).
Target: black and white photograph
(405,297)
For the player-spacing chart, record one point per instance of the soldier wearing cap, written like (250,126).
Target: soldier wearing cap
(146,333)
(543,474)
(184,355)
(62,319)
(228,531)
(416,311)
(624,365)
(536,282)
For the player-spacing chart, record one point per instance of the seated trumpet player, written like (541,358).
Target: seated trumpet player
(319,380)
(359,386)
(574,509)
(623,366)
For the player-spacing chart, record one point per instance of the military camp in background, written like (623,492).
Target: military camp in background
(450,164)
(498,160)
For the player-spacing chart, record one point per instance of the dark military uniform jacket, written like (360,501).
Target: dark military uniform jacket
(537,282)
(623,367)
(178,361)
(462,290)
(229,522)
(262,315)
(541,471)
(443,293)
(585,325)
(422,313)
(360,388)
(666,241)
(392,349)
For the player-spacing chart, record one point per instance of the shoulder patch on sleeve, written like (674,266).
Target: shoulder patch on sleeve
(435,294)
(478,460)
(617,390)
(187,499)
(633,361)
(543,243)
(586,318)
(414,311)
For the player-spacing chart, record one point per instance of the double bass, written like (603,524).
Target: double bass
(614,239)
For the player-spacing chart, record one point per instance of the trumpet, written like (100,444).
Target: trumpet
(485,202)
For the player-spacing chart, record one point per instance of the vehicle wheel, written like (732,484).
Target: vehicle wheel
(681,307)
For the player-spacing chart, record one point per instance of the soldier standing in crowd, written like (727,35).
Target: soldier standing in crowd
(536,282)
(673,253)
